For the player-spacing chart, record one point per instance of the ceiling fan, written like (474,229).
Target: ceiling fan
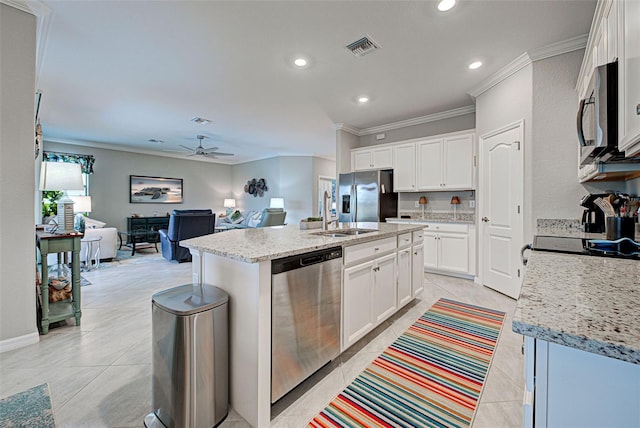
(201,151)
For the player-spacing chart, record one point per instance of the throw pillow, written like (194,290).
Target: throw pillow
(236,217)
(254,220)
(90,223)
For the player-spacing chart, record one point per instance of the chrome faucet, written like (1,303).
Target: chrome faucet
(326,211)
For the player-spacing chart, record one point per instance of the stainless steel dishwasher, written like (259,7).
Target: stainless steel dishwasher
(305,316)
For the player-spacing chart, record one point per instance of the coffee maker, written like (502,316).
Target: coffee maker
(593,217)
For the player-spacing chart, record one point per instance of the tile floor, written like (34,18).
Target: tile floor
(100,373)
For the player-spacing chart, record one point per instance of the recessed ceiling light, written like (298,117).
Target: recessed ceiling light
(445,5)
(475,64)
(363,99)
(300,62)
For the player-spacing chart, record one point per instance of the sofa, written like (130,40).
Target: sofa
(108,243)
(265,218)
(185,224)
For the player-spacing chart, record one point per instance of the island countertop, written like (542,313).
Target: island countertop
(254,245)
(584,302)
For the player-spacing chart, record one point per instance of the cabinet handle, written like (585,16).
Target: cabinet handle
(485,219)
(415,254)
(376,249)
(376,269)
(638,109)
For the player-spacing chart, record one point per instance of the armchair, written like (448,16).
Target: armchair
(184,224)
(272,217)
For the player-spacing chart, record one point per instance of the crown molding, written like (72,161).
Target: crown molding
(348,128)
(558,48)
(505,72)
(43,14)
(420,120)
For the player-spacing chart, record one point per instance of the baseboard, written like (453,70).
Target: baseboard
(448,273)
(19,342)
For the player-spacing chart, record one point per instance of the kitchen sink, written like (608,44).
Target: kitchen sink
(341,233)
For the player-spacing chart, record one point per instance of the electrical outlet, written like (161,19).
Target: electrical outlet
(417,205)
(472,203)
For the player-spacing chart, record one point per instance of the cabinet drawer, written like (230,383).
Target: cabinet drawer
(446,227)
(418,236)
(366,250)
(404,240)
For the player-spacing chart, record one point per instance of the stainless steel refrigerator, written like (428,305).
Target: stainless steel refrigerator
(366,196)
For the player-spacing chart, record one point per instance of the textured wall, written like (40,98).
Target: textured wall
(17,178)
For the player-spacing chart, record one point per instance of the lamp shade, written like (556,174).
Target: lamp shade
(422,200)
(229,203)
(455,200)
(276,203)
(82,204)
(61,176)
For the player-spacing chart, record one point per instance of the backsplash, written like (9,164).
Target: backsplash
(439,216)
(437,202)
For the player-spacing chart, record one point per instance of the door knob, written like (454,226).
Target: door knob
(485,219)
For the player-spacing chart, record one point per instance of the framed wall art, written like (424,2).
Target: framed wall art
(155,190)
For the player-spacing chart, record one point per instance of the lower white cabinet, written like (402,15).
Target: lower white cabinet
(385,302)
(449,248)
(568,387)
(358,316)
(417,270)
(405,275)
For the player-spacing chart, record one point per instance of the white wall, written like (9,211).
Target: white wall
(445,126)
(205,184)
(507,102)
(17,178)
(345,142)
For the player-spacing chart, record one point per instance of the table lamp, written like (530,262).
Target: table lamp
(62,176)
(422,201)
(82,204)
(229,204)
(455,201)
(276,203)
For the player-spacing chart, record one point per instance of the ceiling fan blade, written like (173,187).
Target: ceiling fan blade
(185,147)
(221,154)
(210,149)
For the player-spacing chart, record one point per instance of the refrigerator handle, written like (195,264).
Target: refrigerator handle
(354,211)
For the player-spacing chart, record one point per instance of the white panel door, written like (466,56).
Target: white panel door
(358,315)
(417,270)
(502,180)
(404,168)
(454,252)
(458,162)
(429,154)
(385,300)
(430,250)
(361,160)
(404,276)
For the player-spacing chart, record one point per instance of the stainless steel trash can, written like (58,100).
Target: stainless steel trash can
(190,383)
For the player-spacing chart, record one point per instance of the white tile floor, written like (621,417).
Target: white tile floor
(100,373)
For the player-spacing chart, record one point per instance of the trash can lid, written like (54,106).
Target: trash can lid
(188,300)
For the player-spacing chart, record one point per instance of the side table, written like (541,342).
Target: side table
(59,311)
(91,253)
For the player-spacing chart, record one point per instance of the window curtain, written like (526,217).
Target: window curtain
(86,161)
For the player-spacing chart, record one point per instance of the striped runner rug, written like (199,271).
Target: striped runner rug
(431,376)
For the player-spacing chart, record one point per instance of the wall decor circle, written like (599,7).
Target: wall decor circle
(256,187)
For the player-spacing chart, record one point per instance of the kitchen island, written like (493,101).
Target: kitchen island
(580,316)
(239,262)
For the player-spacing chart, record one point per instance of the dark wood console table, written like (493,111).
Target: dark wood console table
(59,311)
(145,224)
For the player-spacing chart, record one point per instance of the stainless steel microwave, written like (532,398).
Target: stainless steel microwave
(598,117)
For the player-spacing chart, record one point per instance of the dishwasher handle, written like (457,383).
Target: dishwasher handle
(307,261)
(300,261)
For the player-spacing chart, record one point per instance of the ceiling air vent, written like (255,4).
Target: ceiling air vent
(363,46)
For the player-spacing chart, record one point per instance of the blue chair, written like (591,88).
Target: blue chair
(185,224)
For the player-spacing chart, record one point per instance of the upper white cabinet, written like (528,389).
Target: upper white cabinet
(629,77)
(404,168)
(372,158)
(445,163)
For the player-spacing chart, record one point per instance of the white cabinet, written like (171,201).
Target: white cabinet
(358,311)
(405,293)
(445,163)
(369,287)
(449,248)
(404,168)
(417,269)
(568,387)
(385,301)
(372,158)
(629,78)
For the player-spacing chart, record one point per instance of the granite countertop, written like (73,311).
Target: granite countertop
(267,243)
(584,302)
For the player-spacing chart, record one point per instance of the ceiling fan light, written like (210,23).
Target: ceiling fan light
(475,65)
